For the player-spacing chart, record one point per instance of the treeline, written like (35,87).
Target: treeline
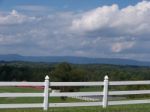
(117,72)
(25,71)
(37,72)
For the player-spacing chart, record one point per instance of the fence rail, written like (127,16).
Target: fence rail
(76,94)
(21,95)
(132,92)
(119,83)
(128,102)
(46,84)
(21,83)
(76,83)
(77,104)
(32,105)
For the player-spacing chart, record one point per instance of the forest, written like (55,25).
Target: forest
(31,71)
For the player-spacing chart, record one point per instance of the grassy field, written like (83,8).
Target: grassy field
(29,99)
(87,89)
(125,108)
(128,108)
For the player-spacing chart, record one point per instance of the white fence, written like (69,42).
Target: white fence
(46,104)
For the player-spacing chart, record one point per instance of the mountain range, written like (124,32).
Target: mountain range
(72,59)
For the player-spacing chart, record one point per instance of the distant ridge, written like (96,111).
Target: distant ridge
(72,59)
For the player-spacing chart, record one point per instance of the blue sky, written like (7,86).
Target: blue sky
(90,28)
(72,5)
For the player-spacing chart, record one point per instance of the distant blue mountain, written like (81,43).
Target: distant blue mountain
(72,59)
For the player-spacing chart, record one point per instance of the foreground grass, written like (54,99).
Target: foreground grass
(127,108)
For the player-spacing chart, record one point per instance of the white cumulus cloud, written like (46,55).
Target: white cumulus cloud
(131,20)
(97,18)
(119,46)
(14,18)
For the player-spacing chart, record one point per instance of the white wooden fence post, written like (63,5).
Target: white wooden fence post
(46,93)
(105,92)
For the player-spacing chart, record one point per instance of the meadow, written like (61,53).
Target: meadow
(127,108)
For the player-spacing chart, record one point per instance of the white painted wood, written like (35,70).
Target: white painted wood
(147,82)
(105,92)
(75,104)
(128,102)
(32,105)
(76,83)
(46,93)
(21,95)
(129,92)
(69,94)
(21,83)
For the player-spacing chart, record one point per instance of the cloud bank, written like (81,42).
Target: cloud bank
(106,31)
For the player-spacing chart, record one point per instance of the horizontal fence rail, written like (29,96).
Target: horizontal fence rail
(132,92)
(147,82)
(46,93)
(77,104)
(128,102)
(76,83)
(76,94)
(32,105)
(21,95)
(21,83)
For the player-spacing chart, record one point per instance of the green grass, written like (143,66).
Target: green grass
(88,89)
(19,89)
(127,108)
(11,100)
(36,100)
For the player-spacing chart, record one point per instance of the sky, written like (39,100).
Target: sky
(88,28)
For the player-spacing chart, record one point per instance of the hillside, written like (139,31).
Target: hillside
(72,59)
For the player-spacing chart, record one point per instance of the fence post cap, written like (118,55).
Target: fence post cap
(106,77)
(47,77)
